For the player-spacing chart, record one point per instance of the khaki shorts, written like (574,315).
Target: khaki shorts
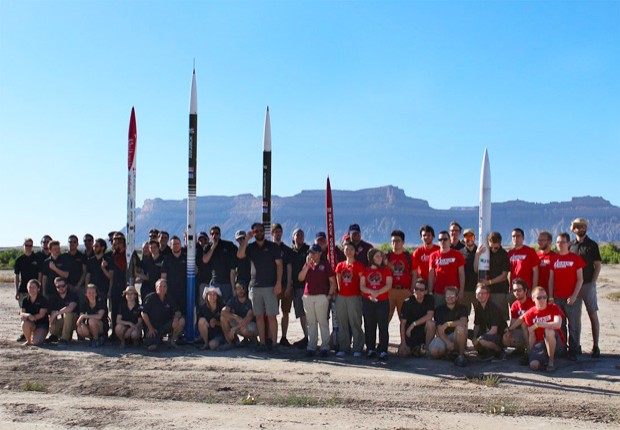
(438,343)
(264,301)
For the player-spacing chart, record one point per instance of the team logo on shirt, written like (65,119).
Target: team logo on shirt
(321,267)
(546,318)
(517,257)
(545,262)
(347,275)
(398,268)
(563,264)
(425,257)
(375,278)
(445,261)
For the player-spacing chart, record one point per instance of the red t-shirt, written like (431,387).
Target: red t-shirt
(375,280)
(349,275)
(446,266)
(535,316)
(517,309)
(317,279)
(400,264)
(544,267)
(522,263)
(421,257)
(565,269)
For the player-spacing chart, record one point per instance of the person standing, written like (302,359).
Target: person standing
(361,247)
(471,277)
(265,282)
(565,281)
(455,236)
(27,267)
(285,298)
(375,285)
(299,251)
(54,265)
(76,266)
(446,269)
(545,258)
(95,270)
(589,251)
(220,258)
(523,259)
(174,271)
(400,263)
(497,275)
(422,255)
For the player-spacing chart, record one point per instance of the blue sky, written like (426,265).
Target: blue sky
(407,93)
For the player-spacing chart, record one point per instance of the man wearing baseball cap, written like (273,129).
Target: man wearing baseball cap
(361,247)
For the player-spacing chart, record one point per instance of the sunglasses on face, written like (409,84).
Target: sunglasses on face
(443,239)
(541,298)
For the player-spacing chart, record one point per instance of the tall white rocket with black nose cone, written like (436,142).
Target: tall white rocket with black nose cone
(484,216)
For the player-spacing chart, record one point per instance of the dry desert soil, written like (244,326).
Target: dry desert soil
(81,387)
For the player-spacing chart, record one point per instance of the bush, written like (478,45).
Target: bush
(610,254)
(8,257)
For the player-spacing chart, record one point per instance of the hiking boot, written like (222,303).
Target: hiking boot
(461,361)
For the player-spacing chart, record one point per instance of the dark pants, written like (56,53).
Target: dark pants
(376,314)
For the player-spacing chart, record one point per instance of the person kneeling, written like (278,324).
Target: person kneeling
(489,324)
(209,316)
(161,317)
(129,320)
(451,322)
(34,314)
(417,328)
(238,318)
(93,317)
(546,339)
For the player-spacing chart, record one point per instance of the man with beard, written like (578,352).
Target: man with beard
(161,316)
(285,298)
(54,265)
(588,250)
(545,258)
(164,249)
(63,313)
(219,259)
(523,259)
(265,282)
(422,255)
(174,270)
(299,252)
(471,277)
(237,317)
(497,275)
(152,269)
(116,269)
(76,266)
(94,270)
(446,269)
(361,247)
(89,242)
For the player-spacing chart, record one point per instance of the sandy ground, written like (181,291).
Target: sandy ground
(188,388)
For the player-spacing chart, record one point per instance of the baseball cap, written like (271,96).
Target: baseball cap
(240,234)
(320,235)
(469,232)
(315,249)
(355,227)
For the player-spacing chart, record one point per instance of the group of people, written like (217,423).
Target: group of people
(528,300)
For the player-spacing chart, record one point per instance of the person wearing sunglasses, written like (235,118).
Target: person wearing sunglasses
(516,334)
(446,267)
(565,281)
(589,251)
(26,268)
(63,313)
(497,275)
(545,339)
(417,328)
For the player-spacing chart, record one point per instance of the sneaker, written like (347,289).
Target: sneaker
(383,356)
(461,361)
(357,354)
(371,353)
(341,354)
(324,353)
(301,344)
(284,342)
(310,353)
(51,339)
(21,338)
(596,352)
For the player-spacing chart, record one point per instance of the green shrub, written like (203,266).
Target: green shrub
(610,254)
(8,257)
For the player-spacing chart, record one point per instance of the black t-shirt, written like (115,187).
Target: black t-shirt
(57,303)
(471,277)
(159,312)
(222,261)
(27,267)
(75,264)
(285,254)
(459,245)
(152,268)
(175,269)
(204,311)
(62,263)
(413,310)
(130,315)
(244,270)
(298,259)
(86,308)
(499,262)
(443,314)
(361,252)
(487,317)
(33,308)
(239,308)
(588,250)
(41,257)
(264,260)
(93,267)
(203,272)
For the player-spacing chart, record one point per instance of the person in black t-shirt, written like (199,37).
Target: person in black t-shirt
(76,266)
(56,264)
(161,317)
(243,265)
(451,323)
(128,324)
(417,328)
(209,315)
(92,322)
(94,271)
(63,313)
(26,268)
(489,325)
(237,317)
(35,321)
(174,270)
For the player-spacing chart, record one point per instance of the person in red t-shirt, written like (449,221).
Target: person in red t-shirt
(446,269)
(545,339)
(349,303)
(319,289)
(523,259)
(375,285)
(421,256)
(565,281)
(516,333)
(545,258)
(399,262)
